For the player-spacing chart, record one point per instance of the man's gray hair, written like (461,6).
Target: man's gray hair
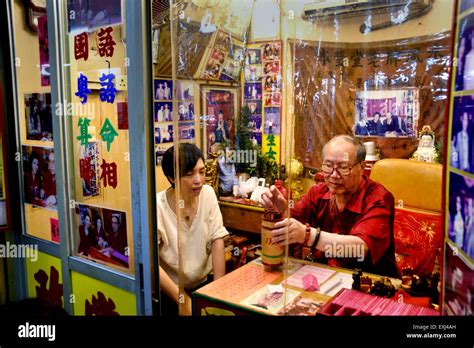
(359,147)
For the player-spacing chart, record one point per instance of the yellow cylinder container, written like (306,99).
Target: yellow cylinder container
(272,255)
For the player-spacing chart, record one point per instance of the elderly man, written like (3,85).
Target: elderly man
(348,220)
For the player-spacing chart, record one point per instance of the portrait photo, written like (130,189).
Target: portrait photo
(462,138)
(39,175)
(465,55)
(461,213)
(102,235)
(391,113)
(459,283)
(253,57)
(253,91)
(163,89)
(38,117)
(186,111)
(185,90)
(271,51)
(272,99)
(271,121)
(253,73)
(163,111)
(89,167)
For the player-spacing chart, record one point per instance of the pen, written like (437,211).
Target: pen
(339,281)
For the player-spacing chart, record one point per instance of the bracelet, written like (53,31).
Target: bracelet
(316,239)
(308,233)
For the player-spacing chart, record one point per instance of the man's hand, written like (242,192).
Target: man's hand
(272,198)
(296,232)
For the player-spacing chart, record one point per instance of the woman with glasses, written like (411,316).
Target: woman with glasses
(347,220)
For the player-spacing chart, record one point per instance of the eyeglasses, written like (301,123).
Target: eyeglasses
(343,169)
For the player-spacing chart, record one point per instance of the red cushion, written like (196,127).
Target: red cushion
(417,239)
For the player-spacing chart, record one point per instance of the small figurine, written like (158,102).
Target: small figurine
(426,151)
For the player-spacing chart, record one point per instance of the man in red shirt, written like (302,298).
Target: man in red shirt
(348,219)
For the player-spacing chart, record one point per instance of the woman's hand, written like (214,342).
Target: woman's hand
(291,228)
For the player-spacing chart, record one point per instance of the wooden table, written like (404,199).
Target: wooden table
(242,291)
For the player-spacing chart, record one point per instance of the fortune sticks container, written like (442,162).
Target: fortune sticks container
(272,255)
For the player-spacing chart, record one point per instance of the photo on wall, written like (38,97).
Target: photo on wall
(459,283)
(462,134)
(465,55)
(185,90)
(461,213)
(220,106)
(163,89)
(39,175)
(271,121)
(159,152)
(186,131)
(390,113)
(186,111)
(102,235)
(89,164)
(163,111)
(38,116)
(253,91)
(271,51)
(86,15)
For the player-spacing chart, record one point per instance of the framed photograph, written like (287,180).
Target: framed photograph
(163,111)
(93,14)
(159,152)
(272,99)
(39,176)
(253,91)
(219,110)
(234,61)
(465,55)
(462,138)
(253,56)
(185,90)
(271,51)
(186,111)
(387,113)
(163,89)
(38,116)
(253,73)
(461,213)
(102,235)
(43,50)
(187,131)
(459,283)
(237,17)
(89,168)
(272,83)
(272,121)
(255,107)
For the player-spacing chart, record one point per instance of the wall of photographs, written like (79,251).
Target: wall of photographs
(164,114)
(459,238)
(262,93)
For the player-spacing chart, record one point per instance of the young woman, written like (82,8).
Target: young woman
(201,229)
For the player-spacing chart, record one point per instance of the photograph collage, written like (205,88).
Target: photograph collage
(459,249)
(164,114)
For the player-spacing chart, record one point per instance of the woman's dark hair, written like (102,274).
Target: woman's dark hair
(189,155)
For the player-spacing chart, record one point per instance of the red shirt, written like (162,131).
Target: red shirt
(368,214)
